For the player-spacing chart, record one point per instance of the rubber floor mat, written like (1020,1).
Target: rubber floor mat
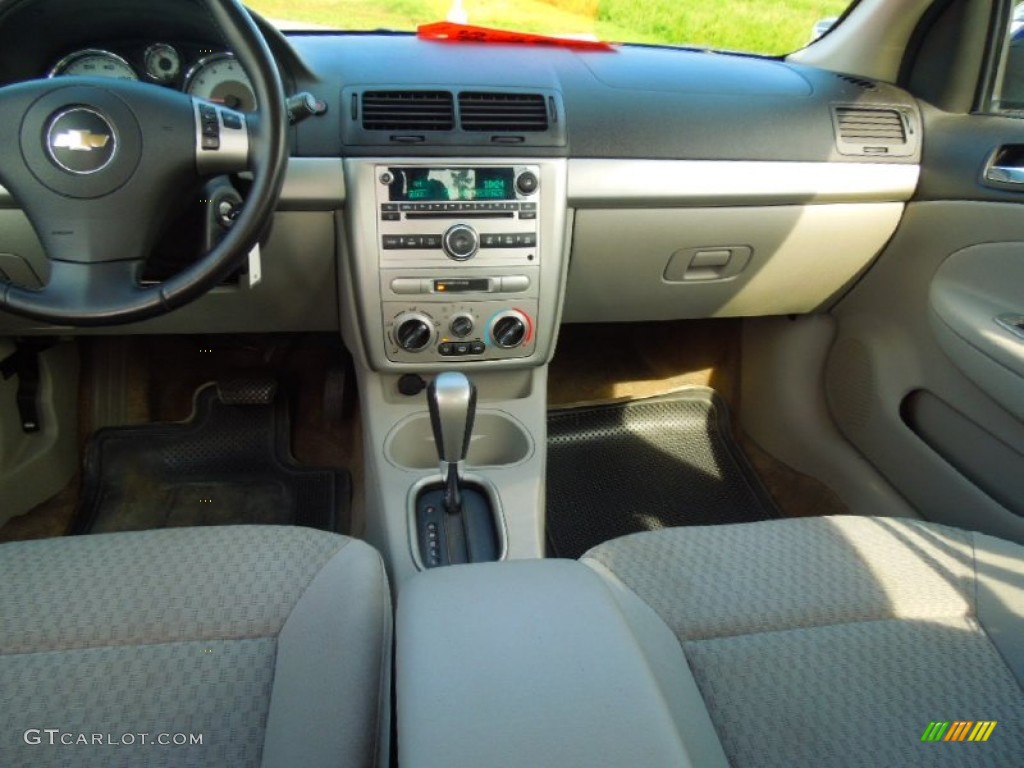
(643,465)
(228,464)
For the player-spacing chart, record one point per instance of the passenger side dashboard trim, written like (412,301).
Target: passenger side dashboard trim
(664,183)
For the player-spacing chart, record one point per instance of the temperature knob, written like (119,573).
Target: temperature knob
(413,331)
(510,329)
(461,242)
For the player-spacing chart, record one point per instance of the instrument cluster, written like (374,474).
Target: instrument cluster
(205,73)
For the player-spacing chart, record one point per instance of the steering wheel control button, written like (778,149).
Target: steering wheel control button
(222,139)
(209,127)
(527,183)
(81,141)
(461,242)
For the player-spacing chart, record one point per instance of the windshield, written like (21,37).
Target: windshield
(757,26)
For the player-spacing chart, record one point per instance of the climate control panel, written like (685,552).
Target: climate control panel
(464,332)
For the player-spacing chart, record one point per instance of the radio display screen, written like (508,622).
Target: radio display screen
(440,184)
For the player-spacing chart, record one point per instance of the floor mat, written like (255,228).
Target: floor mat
(230,463)
(646,464)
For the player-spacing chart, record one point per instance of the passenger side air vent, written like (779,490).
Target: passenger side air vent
(872,131)
(503,112)
(408,111)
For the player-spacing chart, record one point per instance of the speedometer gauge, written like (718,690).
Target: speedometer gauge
(94,62)
(221,79)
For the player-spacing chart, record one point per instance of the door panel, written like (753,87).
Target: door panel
(887,353)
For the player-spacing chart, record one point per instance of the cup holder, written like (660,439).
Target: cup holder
(497,440)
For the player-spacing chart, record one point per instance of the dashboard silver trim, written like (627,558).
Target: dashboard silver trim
(595,183)
(310,184)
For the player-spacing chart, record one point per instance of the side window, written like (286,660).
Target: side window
(1009,93)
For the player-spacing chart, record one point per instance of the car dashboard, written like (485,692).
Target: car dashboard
(666,183)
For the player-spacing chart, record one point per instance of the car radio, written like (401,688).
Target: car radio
(459,253)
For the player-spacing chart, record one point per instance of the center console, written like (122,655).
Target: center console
(453,267)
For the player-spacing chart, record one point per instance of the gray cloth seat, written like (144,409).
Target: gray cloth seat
(837,641)
(272,644)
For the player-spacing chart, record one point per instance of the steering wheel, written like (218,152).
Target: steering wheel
(92,163)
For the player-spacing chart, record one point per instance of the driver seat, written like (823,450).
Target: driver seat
(270,644)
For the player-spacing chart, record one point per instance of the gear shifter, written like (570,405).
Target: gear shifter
(451,398)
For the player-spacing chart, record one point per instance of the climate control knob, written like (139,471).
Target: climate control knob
(413,331)
(461,242)
(461,326)
(510,329)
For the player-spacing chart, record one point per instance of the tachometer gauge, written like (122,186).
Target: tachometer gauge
(221,79)
(94,62)
(163,63)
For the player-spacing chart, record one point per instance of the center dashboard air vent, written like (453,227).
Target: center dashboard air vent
(873,130)
(408,111)
(502,112)
(505,117)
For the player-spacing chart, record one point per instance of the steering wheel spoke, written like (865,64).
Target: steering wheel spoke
(222,139)
(74,288)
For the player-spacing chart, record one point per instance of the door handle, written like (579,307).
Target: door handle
(1006,165)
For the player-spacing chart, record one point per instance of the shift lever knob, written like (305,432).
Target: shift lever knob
(451,398)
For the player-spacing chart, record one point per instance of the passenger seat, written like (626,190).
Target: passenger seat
(839,641)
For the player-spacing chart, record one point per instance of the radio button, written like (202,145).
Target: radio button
(407,207)
(529,206)
(527,183)
(527,215)
(461,242)
(515,284)
(431,241)
(391,217)
(490,241)
(389,206)
(408,285)
(391,242)
(529,240)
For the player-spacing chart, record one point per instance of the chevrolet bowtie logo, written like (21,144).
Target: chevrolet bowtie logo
(80,141)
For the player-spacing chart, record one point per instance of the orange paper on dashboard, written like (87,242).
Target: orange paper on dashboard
(464,33)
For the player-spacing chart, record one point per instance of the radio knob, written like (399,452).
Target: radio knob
(527,183)
(509,329)
(461,326)
(413,331)
(461,242)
